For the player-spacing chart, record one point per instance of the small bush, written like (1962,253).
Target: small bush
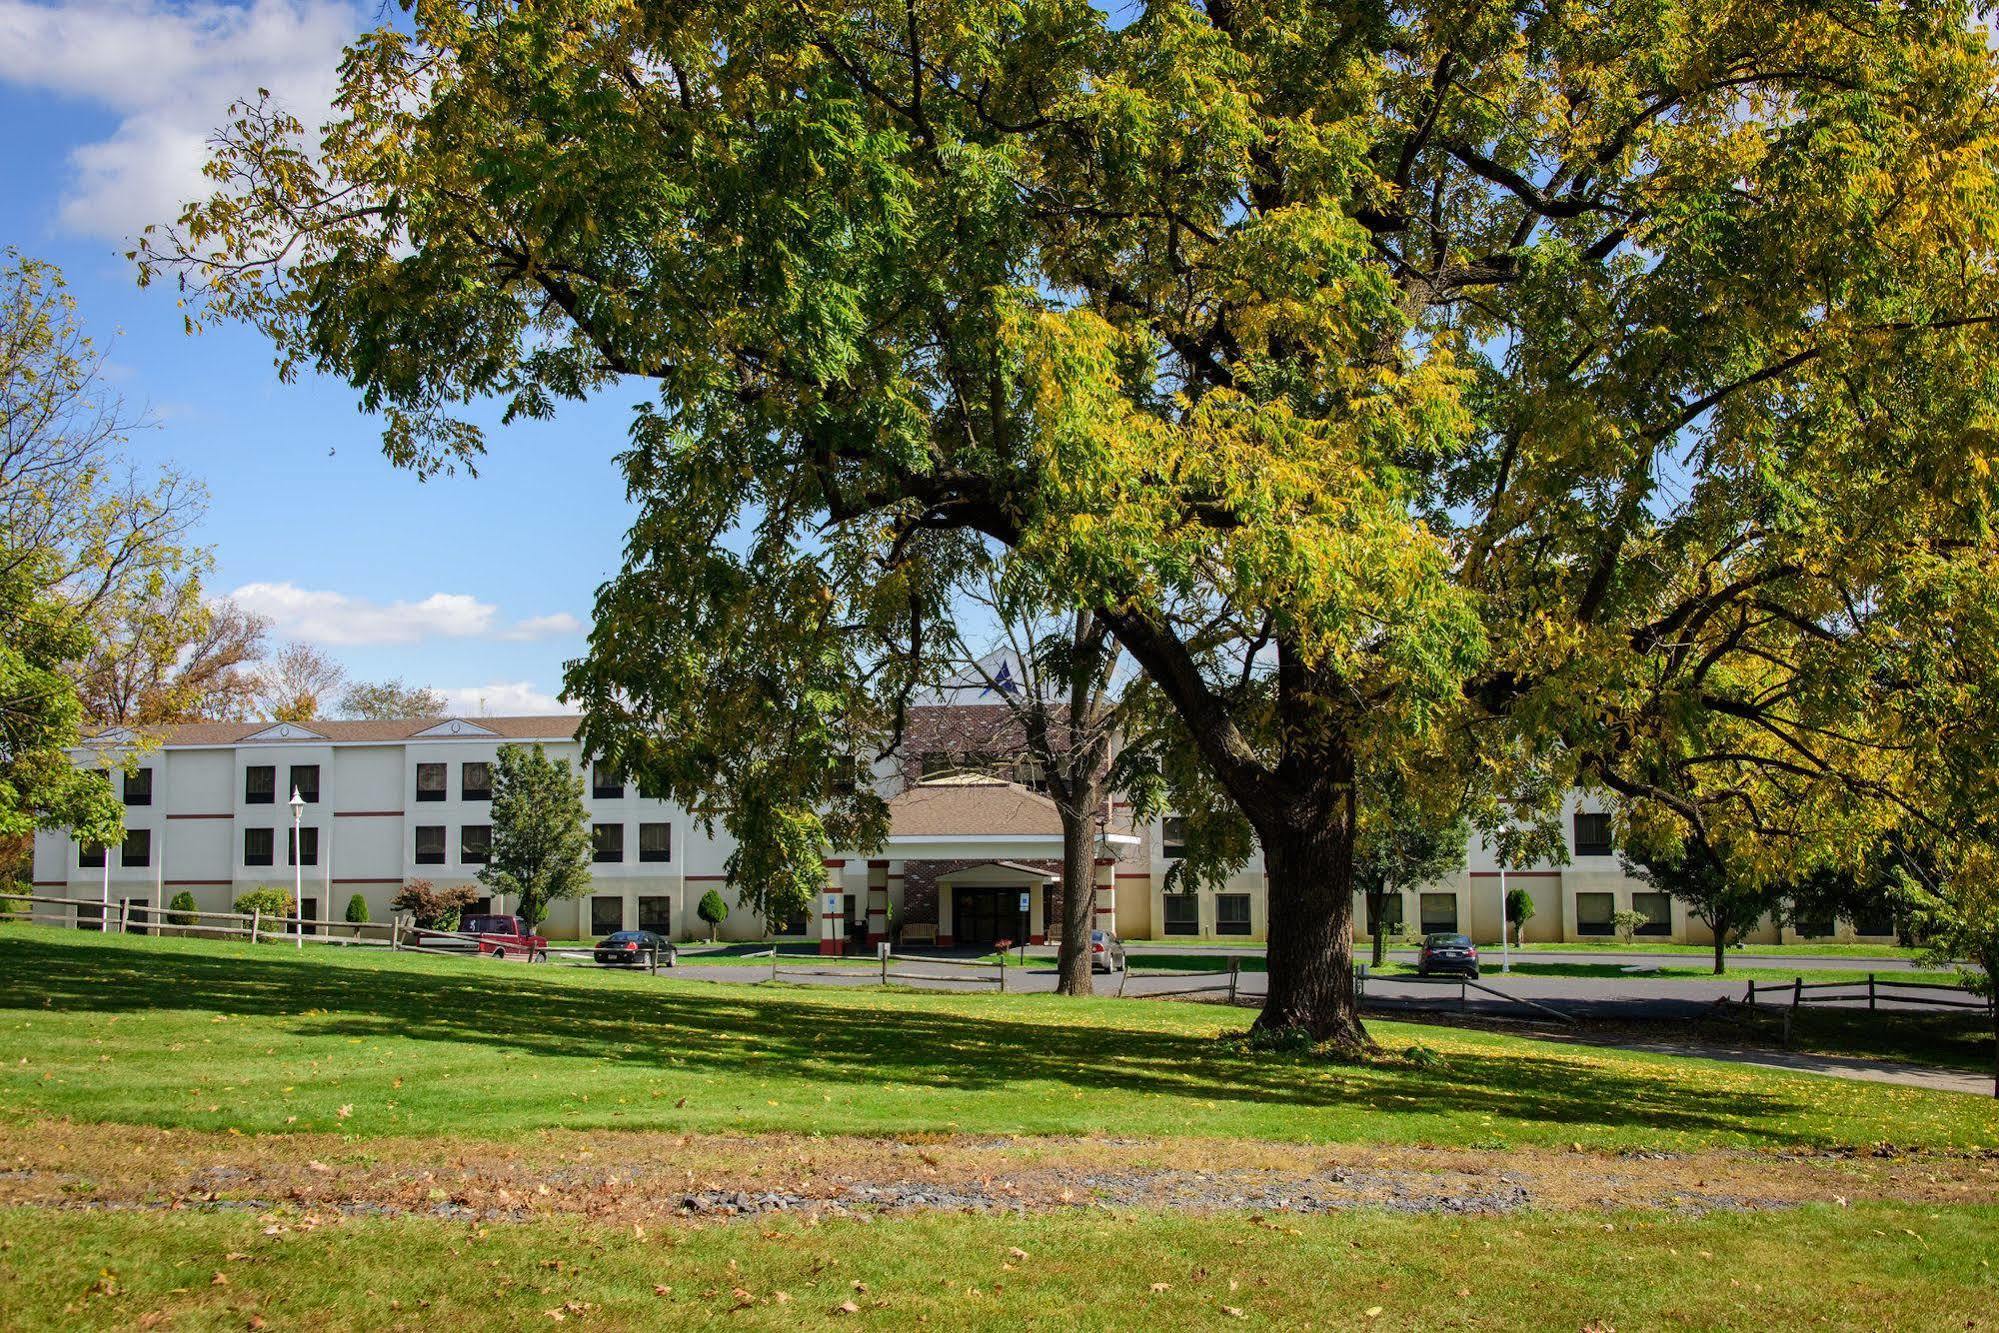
(713,909)
(10,903)
(1626,924)
(357,910)
(180,911)
(433,908)
(1519,911)
(266,898)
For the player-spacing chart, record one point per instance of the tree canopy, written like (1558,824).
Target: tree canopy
(1607,388)
(541,831)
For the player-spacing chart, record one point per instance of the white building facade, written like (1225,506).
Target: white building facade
(207,813)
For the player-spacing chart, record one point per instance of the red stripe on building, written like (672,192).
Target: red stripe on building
(367,814)
(224,816)
(196,883)
(367,881)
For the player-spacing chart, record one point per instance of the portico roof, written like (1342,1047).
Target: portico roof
(972,806)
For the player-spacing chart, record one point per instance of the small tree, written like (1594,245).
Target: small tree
(1626,924)
(432,908)
(541,832)
(1519,911)
(1693,873)
(357,911)
(1403,842)
(180,911)
(712,910)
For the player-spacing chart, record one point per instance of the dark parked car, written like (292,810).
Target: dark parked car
(1448,953)
(1106,952)
(632,948)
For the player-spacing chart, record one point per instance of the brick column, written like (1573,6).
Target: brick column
(1107,893)
(832,921)
(877,902)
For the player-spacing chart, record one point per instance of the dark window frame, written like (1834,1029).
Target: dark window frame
(661,926)
(1173,837)
(419,856)
(470,855)
(1653,926)
(656,856)
(468,792)
(269,796)
(1598,840)
(306,842)
(145,857)
(1225,925)
(90,855)
(268,855)
(442,791)
(297,775)
(1185,900)
(600,845)
(139,787)
(602,789)
(1393,909)
(597,900)
(1605,927)
(1425,921)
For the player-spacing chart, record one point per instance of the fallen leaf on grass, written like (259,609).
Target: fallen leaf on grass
(1162,1286)
(846,1307)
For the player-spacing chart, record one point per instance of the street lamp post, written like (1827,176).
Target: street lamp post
(298,872)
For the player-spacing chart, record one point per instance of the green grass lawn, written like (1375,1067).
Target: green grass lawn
(1825,950)
(1867,1267)
(220,1037)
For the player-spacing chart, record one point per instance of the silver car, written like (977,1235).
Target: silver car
(1106,952)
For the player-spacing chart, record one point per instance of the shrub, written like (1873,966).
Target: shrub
(357,910)
(713,910)
(1519,911)
(180,911)
(1626,923)
(266,898)
(433,908)
(10,903)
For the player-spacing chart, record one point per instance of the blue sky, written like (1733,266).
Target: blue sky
(477,586)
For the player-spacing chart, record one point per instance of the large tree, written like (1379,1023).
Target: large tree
(541,831)
(298,682)
(173,657)
(1454,377)
(389,700)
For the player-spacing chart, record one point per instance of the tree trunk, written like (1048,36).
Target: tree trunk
(1079,895)
(1309,859)
(1377,903)
(1720,947)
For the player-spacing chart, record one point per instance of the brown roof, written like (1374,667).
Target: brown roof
(972,806)
(558,727)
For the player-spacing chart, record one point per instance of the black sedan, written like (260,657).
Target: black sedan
(632,948)
(1448,953)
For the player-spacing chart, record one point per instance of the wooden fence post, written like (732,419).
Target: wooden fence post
(882,949)
(773,962)
(256,919)
(1235,970)
(1002,959)
(1870,992)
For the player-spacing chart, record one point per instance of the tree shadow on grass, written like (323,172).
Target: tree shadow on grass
(972,1044)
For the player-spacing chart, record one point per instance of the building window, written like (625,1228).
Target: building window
(656,914)
(1439,913)
(606,783)
(1030,774)
(1876,920)
(302,849)
(430,844)
(937,764)
(1814,927)
(475,781)
(798,923)
(260,784)
(1594,912)
(1389,906)
(1231,914)
(475,844)
(139,787)
(138,849)
(1173,838)
(607,915)
(655,842)
(432,784)
(90,855)
(1592,834)
(305,781)
(258,845)
(1183,914)
(1658,910)
(608,842)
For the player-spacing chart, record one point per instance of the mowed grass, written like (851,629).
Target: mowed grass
(219,1037)
(1871,1267)
(1490,965)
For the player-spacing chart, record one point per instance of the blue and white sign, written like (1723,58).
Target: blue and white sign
(1024,899)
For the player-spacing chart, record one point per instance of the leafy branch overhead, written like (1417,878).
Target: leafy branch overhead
(1604,390)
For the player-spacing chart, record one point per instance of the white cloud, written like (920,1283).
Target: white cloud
(544,627)
(500,699)
(170,72)
(323,616)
